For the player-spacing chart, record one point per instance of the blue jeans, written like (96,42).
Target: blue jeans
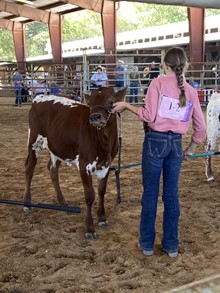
(133,92)
(119,83)
(18,99)
(162,153)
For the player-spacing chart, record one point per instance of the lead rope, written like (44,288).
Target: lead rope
(117,170)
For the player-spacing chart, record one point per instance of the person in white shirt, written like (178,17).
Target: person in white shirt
(40,86)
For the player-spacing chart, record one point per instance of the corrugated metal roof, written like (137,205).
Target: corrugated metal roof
(19,6)
(16,10)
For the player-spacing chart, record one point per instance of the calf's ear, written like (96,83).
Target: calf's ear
(121,94)
(87,98)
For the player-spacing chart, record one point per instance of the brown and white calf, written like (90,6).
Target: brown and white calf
(213,131)
(74,133)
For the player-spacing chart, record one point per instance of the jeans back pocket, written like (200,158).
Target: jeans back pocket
(157,147)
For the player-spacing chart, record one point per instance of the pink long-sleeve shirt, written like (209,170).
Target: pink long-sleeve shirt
(167,86)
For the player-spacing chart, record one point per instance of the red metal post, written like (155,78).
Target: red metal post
(19,43)
(196,18)
(108,15)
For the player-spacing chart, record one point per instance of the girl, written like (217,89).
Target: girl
(170,106)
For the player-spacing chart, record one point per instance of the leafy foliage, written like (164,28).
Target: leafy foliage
(74,27)
(147,15)
(37,35)
(34,28)
(7,51)
(136,16)
(212,12)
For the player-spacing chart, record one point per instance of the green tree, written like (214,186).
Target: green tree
(35,46)
(147,15)
(74,27)
(37,35)
(140,15)
(7,50)
(34,28)
(212,12)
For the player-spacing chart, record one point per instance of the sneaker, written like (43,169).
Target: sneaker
(146,252)
(172,254)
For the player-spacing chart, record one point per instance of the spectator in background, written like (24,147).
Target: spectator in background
(154,71)
(145,78)
(146,74)
(26,88)
(134,84)
(77,81)
(119,75)
(99,78)
(193,83)
(40,86)
(17,78)
(24,93)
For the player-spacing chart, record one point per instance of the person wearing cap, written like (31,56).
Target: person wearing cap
(99,78)
(119,75)
(40,86)
(154,71)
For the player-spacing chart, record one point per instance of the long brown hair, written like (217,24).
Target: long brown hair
(176,59)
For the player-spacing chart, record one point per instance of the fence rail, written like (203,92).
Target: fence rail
(74,79)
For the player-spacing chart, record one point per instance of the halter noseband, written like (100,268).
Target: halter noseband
(109,112)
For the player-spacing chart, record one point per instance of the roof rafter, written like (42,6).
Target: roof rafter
(25,11)
(6,24)
(94,5)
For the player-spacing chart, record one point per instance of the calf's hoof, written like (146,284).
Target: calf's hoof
(26,210)
(91,235)
(211,178)
(103,224)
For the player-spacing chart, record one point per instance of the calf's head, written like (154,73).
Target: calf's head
(100,102)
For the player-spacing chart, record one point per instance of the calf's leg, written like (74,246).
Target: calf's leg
(208,169)
(54,174)
(30,164)
(102,222)
(89,199)
(208,166)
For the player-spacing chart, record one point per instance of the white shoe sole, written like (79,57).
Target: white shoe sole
(146,252)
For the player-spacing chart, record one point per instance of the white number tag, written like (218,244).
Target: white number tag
(170,108)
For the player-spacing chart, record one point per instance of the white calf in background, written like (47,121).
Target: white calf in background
(213,131)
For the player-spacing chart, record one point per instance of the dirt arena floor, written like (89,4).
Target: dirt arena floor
(46,251)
